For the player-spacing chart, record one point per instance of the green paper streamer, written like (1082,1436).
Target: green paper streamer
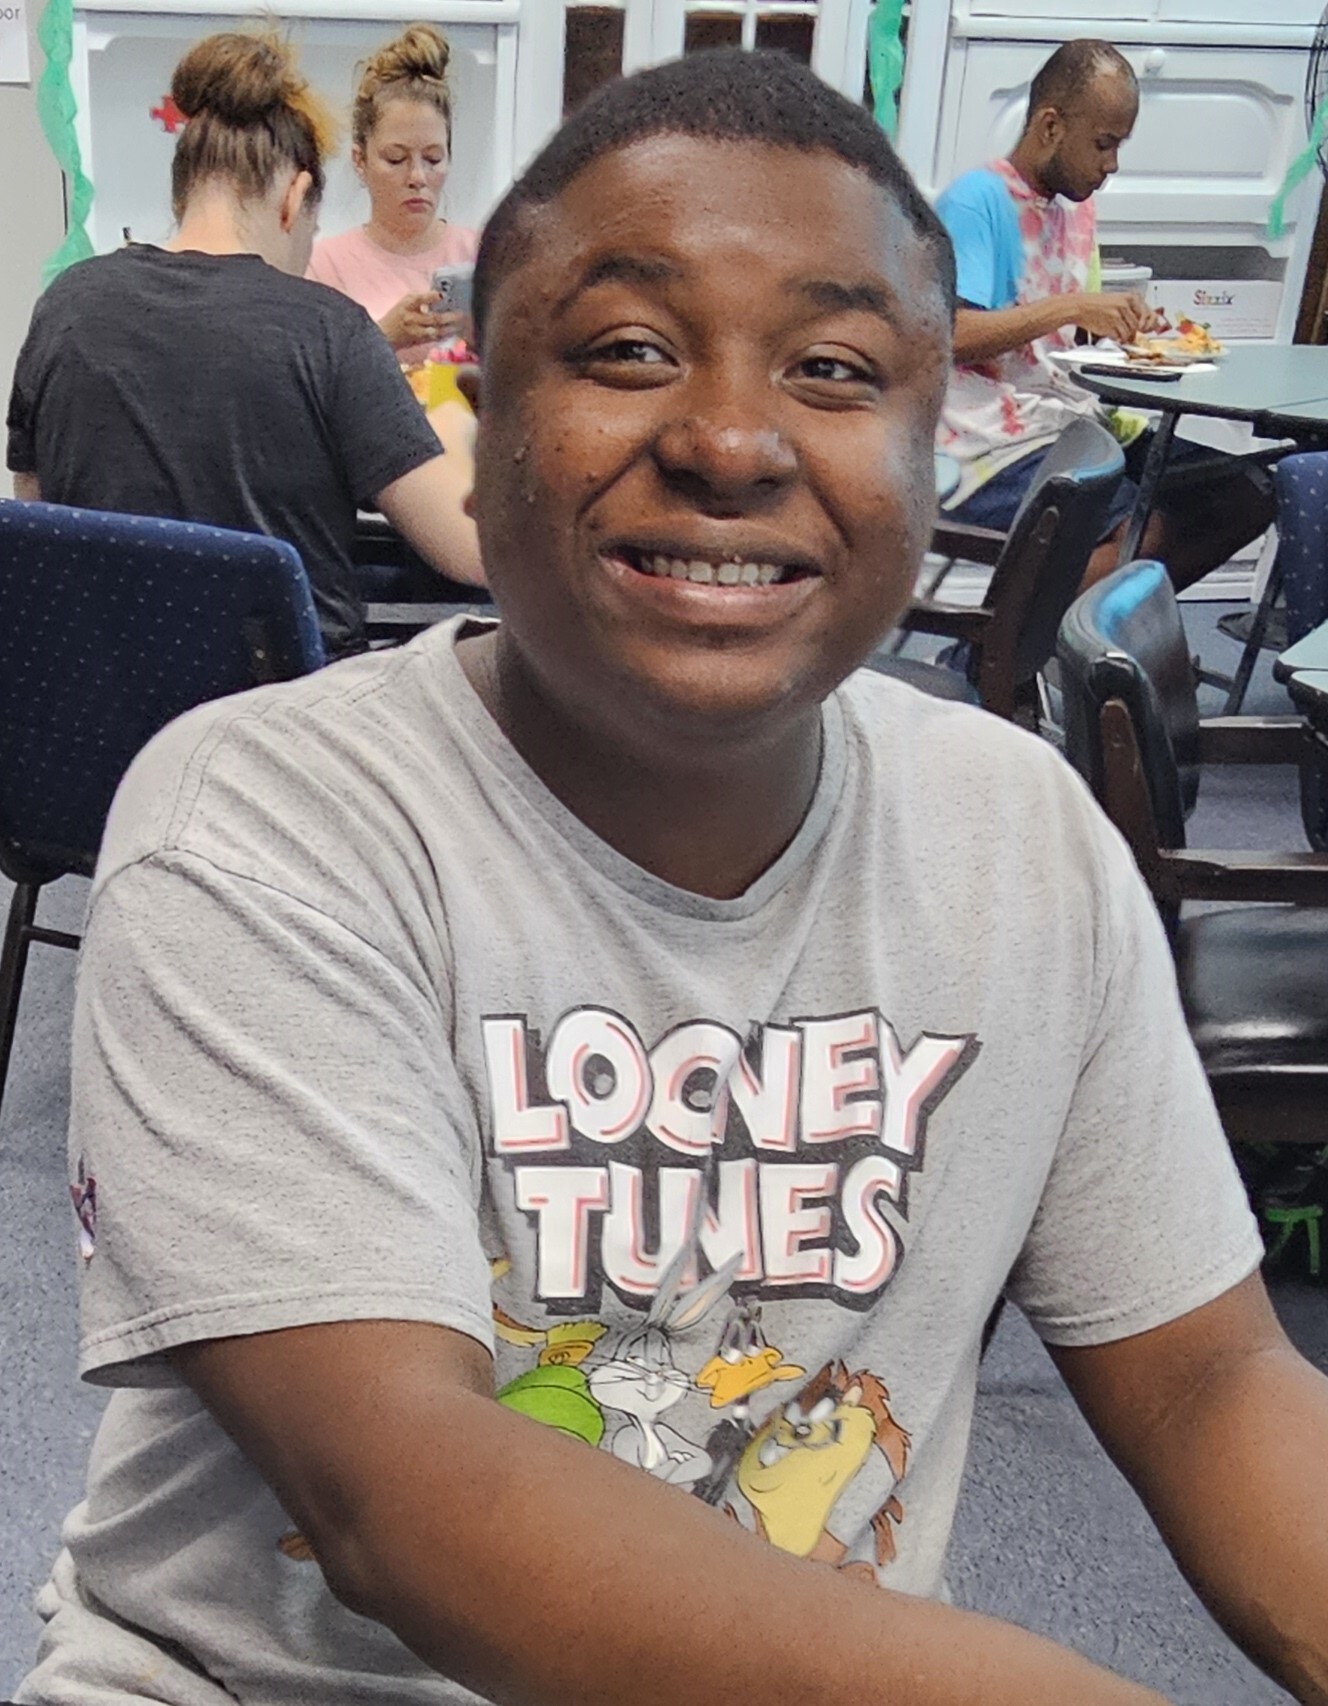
(56,111)
(885,62)
(1299,169)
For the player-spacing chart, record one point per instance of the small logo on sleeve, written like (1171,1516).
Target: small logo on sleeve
(83,1194)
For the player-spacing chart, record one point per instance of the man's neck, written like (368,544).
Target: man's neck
(1030,171)
(706,821)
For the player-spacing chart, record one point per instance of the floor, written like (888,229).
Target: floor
(1048,1534)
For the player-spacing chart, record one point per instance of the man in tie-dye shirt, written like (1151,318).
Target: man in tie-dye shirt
(1024,231)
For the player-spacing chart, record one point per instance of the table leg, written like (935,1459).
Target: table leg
(1154,463)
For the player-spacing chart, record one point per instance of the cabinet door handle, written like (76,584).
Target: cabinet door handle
(1154,60)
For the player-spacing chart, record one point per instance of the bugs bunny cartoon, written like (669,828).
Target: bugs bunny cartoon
(636,1374)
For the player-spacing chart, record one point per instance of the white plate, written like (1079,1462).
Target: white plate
(1088,355)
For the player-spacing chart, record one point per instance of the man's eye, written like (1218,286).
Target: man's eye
(630,350)
(832,368)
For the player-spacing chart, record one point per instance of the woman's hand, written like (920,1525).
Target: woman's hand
(415,320)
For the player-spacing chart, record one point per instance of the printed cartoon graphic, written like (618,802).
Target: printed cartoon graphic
(745,1363)
(555,1391)
(565,1344)
(796,1467)
(635,1374)
(83,1195)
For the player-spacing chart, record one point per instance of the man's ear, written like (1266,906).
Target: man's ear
(468,383)
(293,199)
(1048,127)
(357,160)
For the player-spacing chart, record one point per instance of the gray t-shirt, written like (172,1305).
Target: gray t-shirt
(217,388)
(370,1026)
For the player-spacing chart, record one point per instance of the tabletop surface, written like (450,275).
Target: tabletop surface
(1310,653)
(1309,690)
(1248,382)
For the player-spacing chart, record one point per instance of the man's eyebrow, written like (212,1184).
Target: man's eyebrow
(836,297)
(620,268)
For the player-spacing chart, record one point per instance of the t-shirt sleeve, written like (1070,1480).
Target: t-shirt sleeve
(1143,1216)
(267,1115)
(21,449)
(380,429)
(978,214)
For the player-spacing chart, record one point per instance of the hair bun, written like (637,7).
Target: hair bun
(239,79)
(420,51)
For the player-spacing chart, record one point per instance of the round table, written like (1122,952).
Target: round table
(1280,389)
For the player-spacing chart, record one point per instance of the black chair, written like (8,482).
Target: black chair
(110,626)
(1039,567)
(1253,978)
(402,595)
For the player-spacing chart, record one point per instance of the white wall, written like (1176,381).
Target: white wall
(31,218)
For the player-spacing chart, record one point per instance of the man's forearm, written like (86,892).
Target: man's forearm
(1239,1490)
(982,334)
(543,1574)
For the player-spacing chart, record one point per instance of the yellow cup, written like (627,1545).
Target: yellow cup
(443,387)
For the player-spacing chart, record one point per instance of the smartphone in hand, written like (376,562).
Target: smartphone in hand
(453,285)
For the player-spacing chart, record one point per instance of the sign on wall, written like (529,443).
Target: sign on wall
(14,42)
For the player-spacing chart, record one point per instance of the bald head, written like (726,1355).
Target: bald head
(1069,75)
(1081,109)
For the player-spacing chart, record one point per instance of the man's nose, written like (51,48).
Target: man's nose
(727,449)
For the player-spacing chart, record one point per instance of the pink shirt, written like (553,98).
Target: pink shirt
(377,279)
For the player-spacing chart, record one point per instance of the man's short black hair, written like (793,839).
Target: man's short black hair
(1072,69)
(725,95)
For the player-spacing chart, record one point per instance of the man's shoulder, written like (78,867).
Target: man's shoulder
(228,780)
(981,190)
(961,770)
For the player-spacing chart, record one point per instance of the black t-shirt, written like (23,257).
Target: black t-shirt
(215,388)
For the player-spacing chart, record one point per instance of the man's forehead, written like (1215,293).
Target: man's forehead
(714,196)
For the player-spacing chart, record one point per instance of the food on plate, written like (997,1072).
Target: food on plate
(1189,341)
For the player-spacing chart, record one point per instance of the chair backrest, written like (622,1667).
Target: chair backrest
(1301,483)
(110,626)
(1123,641)
(1054,533)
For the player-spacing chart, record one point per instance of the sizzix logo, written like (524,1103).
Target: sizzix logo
(1213,299)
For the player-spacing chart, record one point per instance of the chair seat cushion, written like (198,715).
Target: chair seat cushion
(931,678)
(1254,982)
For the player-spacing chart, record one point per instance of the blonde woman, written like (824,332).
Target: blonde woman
(207,381)
(401,136)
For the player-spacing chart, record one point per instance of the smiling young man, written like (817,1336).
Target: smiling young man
(1029,281)
(555,1105)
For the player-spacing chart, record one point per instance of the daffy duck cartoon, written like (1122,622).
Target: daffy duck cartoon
(745,1363)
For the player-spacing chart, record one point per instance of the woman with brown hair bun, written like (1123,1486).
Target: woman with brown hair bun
(206,380)
(401,147)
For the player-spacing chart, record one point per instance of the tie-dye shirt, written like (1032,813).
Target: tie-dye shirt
(1013,246)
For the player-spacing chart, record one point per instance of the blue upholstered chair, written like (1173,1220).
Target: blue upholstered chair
(110,626)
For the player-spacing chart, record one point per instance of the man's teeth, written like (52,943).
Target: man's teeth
(712,574)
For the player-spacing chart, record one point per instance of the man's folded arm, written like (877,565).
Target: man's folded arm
(1222,1428)
(539,1572)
